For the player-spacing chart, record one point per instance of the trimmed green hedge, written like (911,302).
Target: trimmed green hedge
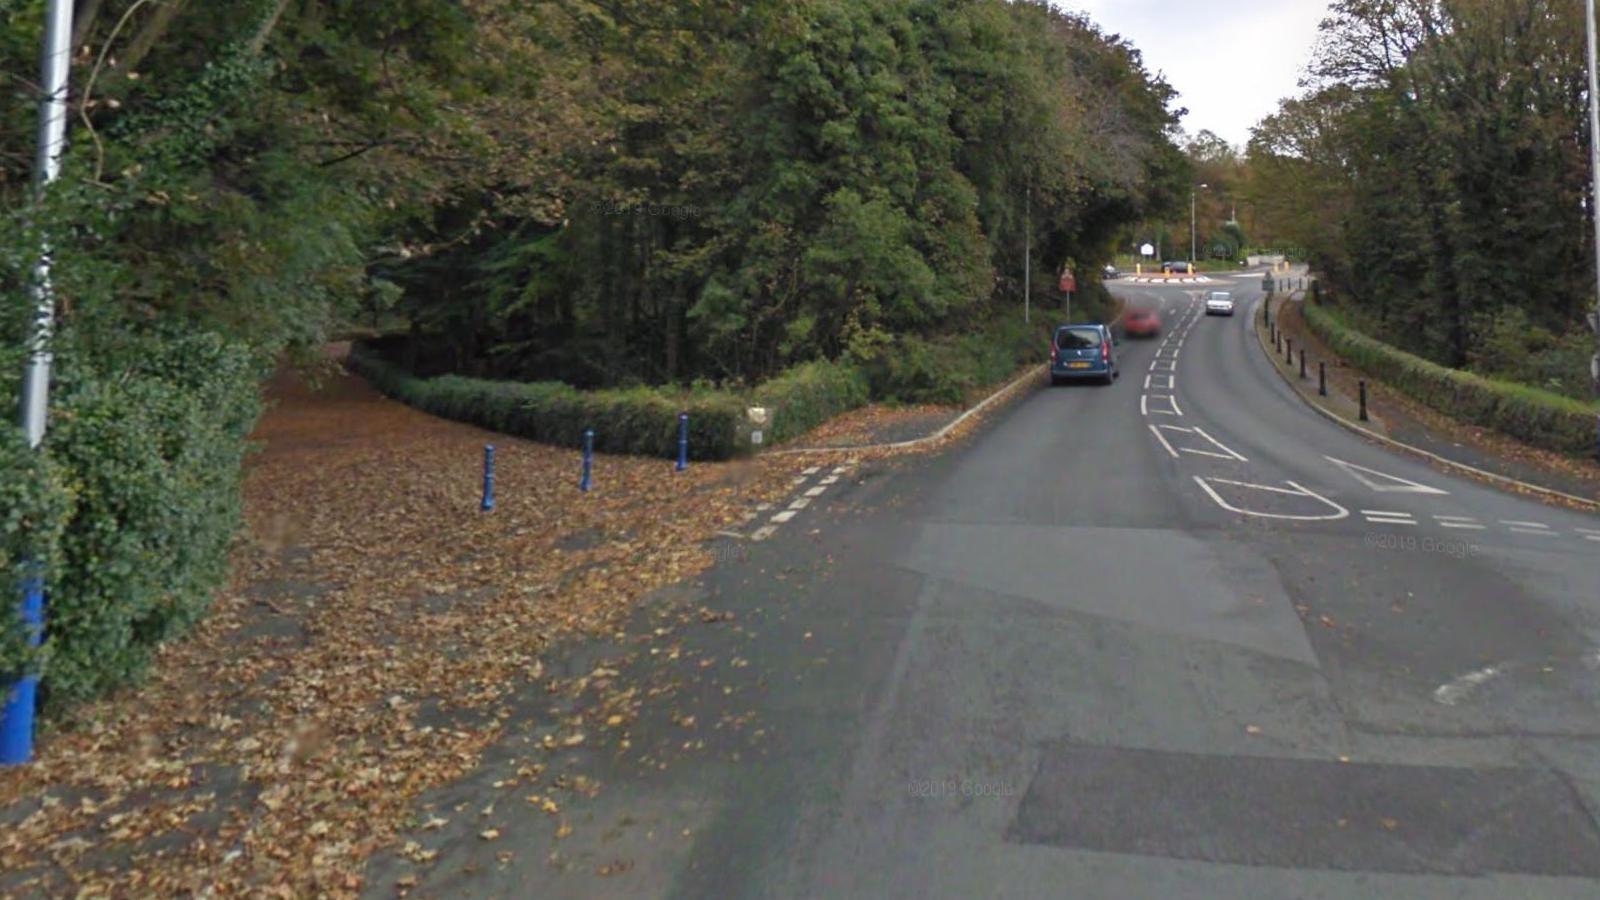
(640,421)
(808,395)
(1533,416)
(132,503)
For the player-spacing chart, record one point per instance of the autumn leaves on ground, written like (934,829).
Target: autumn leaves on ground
(280,743)
(375,622)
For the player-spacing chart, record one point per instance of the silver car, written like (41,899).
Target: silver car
(1219,303)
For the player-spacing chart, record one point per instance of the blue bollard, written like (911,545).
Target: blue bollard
(683,441)
(488,477)
(16,723)
(587,481)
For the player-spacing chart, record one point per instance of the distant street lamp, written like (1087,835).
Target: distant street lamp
(1191,225)
(1594,174)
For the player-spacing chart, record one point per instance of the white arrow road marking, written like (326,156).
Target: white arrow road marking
(1457,690)
(1390,484)
(1299,491)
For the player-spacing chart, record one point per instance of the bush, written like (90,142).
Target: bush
(131,504)
(808,395)
(910,369)
(1533,416)
(642,421)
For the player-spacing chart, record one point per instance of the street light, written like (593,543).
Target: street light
(1192,252)
(1594,174)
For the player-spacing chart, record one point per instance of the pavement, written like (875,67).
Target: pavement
(1175,637)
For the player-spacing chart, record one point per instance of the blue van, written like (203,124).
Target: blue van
(1082,351)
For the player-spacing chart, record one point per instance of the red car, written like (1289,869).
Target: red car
(1141,323)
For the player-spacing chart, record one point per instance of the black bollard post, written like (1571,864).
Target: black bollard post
(1363,400)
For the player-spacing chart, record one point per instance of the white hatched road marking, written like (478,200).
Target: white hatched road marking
(800,503)
(831,479)
(784,516)
(817,491)
(811,471)
(1382,482)
(1299,491)
(1156,430)
(763,532)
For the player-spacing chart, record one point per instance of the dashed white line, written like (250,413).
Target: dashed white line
(817,491)
(1147,382)
(831,479)
(764,532)
(1144,404)
(784,516)
(1384,512)
(1515,524)
(800,503)
(811,471)
(1380,520)
(1541,532)
(1470,526)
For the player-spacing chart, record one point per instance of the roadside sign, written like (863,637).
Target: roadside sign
(1069,282)
(1592,325)
(1147,250)
(755,436)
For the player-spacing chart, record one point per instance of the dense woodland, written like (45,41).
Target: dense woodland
(1436,170)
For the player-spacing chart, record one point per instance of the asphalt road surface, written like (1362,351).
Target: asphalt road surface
(1175,637)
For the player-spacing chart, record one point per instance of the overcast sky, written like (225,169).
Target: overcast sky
(1230,61)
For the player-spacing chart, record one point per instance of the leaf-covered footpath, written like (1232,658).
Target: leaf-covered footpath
(281,743)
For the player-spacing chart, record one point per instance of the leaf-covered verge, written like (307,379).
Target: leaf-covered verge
(375,625)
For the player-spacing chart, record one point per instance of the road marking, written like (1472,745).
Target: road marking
(1155,430)
(1376,520)
(1592,537)
(1474,526)
(1145,409)
(784,516)
(1172,364)
(763,507)
(1144,403)
(1381,482)
(840,470)
(811,471)
(764,532)
(1457,690)
(1171,380)
(1220,445)
(1384,512)
(733,534)
(831,479)
(1588,531)
(1299,491)
(817,491)
(1515,524)
(1538,531)
(1147,382)
(800,503)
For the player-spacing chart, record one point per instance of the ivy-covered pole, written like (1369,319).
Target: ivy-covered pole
(1594,196)
(16,723)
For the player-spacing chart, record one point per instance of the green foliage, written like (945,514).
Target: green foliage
(34,506)
(1437,173)
(641,421)
(946,370)
(807,395)
(1536,417)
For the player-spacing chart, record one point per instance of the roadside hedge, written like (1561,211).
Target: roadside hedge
(1536,417)
(808,395)
(640,421)
(132,503)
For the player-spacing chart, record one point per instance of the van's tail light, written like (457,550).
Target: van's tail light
(1055,352)
(1105,351)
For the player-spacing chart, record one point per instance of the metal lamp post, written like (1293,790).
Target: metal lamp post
(16,722)
(1594,196)
(1192,244)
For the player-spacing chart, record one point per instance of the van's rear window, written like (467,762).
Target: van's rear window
(1078,338)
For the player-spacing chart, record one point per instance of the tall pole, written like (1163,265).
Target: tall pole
(16,722)
(1027,259)
(1594,174)
(1191,227)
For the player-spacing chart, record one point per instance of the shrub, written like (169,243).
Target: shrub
(642,421)
(131,504)
(1531,415)
(810,394)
